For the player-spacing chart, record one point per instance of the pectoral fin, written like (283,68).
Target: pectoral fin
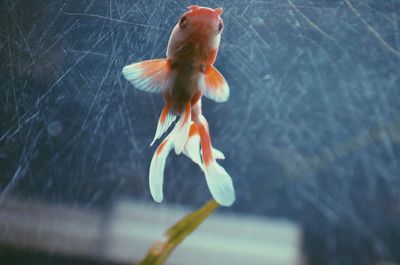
(214,85)
(148,75)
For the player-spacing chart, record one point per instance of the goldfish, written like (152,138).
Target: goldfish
(183,78)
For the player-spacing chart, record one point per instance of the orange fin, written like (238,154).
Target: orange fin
(214,85)
(192,147)
(218,180)
(148,75)
(165,121)
(182,129)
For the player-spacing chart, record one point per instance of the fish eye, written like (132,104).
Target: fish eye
(220,26)
(182,21)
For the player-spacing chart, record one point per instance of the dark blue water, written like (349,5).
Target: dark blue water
(311,131)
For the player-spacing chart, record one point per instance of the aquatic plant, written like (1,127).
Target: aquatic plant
(161,250)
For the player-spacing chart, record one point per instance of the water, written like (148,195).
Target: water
(310,132)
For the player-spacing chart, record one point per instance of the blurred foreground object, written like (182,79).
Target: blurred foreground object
(124,234)
(161,250)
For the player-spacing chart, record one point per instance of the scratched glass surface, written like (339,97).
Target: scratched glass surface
(311,131)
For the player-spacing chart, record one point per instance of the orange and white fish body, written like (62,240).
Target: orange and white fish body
(183,78)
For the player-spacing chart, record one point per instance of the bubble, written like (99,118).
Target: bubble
(267,76)
(54,128)
(257,21)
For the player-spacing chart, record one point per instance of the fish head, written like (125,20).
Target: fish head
(199,28)
(201,22)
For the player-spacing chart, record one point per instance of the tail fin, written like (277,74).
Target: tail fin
(220,184)
(175,139)
(218,180)
(166,119)
(157,165)
(192,147)
(218,154)
(186,137)
(183,127)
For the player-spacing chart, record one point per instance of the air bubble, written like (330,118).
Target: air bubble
(257,21)
(54,128)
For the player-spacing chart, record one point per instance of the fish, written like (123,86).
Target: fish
(183,78)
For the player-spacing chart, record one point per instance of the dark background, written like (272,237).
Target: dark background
(311,131)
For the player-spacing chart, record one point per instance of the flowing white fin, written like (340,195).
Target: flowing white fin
(192,146)
(218,154)
(165,120)
(157,165)
(219,183)
(182,129)
(218,180)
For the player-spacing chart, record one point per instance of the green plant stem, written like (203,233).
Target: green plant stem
(160,251)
